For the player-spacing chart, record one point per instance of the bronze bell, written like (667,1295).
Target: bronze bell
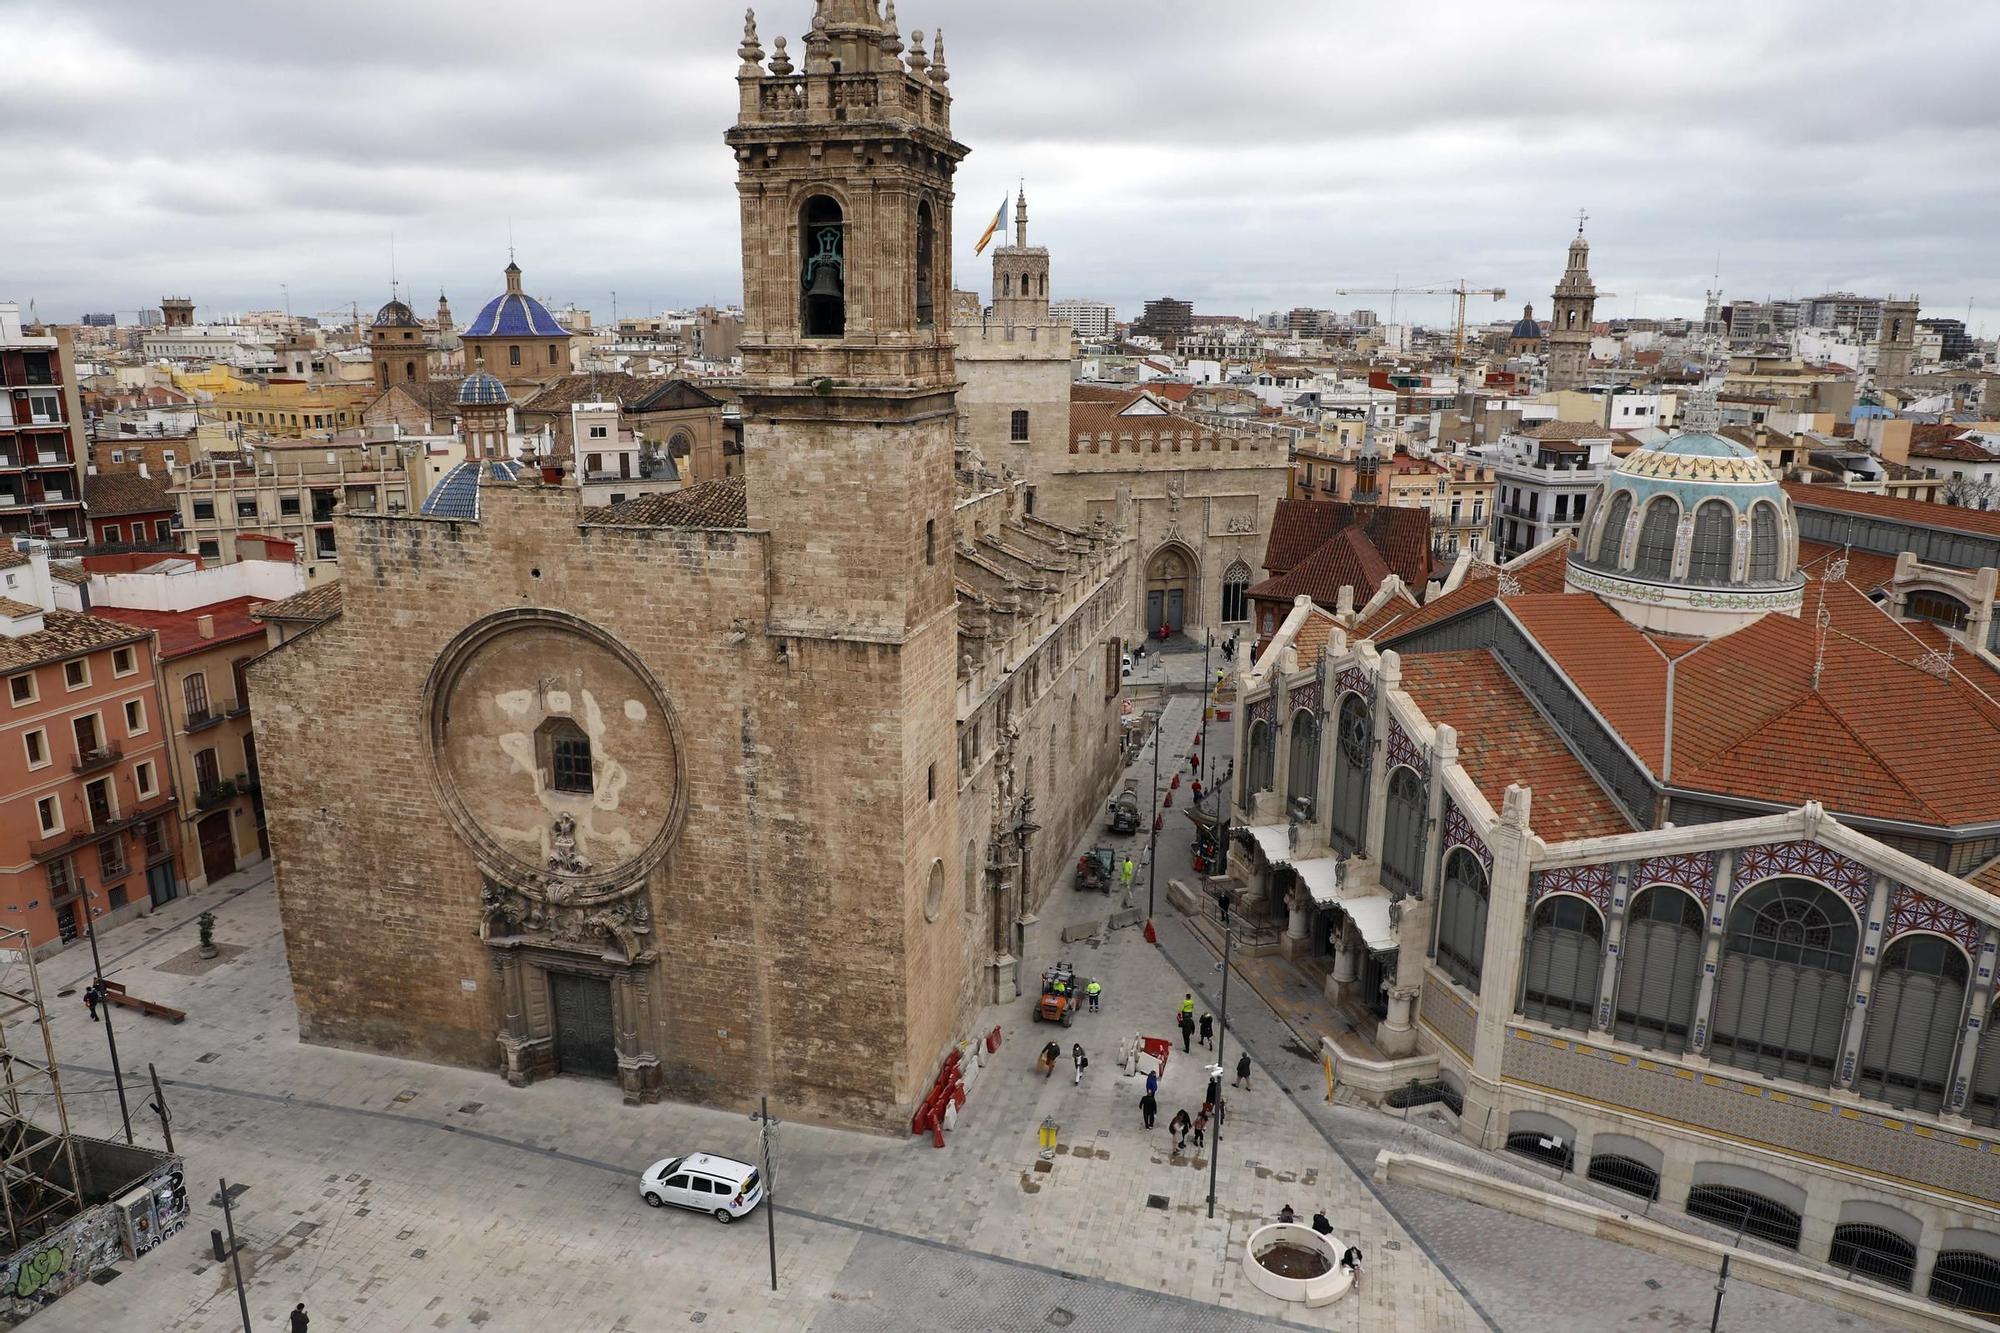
(825,282)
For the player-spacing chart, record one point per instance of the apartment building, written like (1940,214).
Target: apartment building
(1087,319)
(1545,477)
(41,434)
(87,828)
(289,489)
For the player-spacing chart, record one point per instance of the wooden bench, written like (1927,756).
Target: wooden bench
(114,993)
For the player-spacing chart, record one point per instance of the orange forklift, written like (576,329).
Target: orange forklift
(1060,996)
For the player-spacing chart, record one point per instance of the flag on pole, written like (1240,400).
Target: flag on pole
(998,223)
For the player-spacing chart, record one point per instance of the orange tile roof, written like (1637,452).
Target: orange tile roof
(1866,570)
(1312,638)
(180,631)
(1348,559)
(1503,739)
(1611,662)
(1542,574)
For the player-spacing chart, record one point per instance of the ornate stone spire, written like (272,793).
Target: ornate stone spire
(939,74)
(1021,215)
(892,42)
(751,49)
(917,60)
(819,46)
(781,60)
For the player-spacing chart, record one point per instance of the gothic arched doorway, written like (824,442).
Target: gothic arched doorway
(1169,576)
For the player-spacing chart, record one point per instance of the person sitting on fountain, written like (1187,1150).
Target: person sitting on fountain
(1321,1225)
(1286,1214)
(1351,1262)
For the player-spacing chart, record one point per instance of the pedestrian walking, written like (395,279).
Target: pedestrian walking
(1321,1225)
(1214,1086)
(1152,1082)
(1050,1054)
(1242,1072)
(1220,1116)
(1178,1127)
(1093,990)
(1082,1061)
(1350,1263)
(1187,1031)
(1149,1107)
(1126,871)
(1200,1124)
(90,1000)
(1187,1006)
(300,1318)
(1208,1031)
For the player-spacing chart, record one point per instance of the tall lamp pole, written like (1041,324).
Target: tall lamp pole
(104,1004)
(1223,899)
(1153,836)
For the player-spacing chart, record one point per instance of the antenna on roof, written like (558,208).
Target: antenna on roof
(1835,571)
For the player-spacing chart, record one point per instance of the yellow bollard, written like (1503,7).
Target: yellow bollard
(1048,1136)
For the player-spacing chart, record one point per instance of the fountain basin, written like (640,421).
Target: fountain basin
(1295,1263)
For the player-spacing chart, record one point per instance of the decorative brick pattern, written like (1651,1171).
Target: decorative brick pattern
(1260,710)
(1353,679)
(1592,882)
(1695,873)
(1849,878)
(1966,1166)
(1306,697)
(1403,750)
(1458,832)
(1910,910)
(1447,1013)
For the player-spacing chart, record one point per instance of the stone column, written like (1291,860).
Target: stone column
(1345,956)
(1444,753)
(1500,966)
(1396,1035)
(1711,954)
(1976,1015)
(1297,903)
(1862,984)
(1388,676)
(1614,945)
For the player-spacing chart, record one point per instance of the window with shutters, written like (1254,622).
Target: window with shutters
(1461,945)
(1782,998)
(1764,542)
(1913,1022)
(1655,558)
(1017,426)
(1403,833)
(1659,978)
(1611,536)
(1984,1103)
(1302,781)
(1263,759)
(1350,775)
(1714,543)
(1565,959)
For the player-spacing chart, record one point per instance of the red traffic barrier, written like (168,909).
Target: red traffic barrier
(1175,785)
(937,1136)
(1151,938)
(950,1062)
(1159,822)
(1169,802)
(993,1041)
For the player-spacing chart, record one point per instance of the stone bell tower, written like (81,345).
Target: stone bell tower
(1569,329)
(1020,274)
(845,166)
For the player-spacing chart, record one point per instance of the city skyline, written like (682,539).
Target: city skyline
(604,163)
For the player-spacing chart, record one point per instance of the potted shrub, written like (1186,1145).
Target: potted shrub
(206,924)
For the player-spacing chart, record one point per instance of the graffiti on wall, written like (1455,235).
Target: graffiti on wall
(37,1274)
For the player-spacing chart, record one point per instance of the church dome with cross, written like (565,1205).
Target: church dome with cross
(1691,535)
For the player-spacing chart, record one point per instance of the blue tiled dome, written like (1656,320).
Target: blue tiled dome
(481,389)
(514,314)
(1527,328)
(456,494)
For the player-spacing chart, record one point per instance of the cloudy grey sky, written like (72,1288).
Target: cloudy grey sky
(1245,156)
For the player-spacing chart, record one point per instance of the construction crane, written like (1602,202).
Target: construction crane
(1459,290)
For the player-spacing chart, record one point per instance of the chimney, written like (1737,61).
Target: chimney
(205,626)
(145,472)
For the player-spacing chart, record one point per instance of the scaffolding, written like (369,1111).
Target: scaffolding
(38,1171)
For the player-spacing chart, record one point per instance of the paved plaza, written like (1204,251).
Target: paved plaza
(390,1195)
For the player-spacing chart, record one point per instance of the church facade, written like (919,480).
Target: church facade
(731,790)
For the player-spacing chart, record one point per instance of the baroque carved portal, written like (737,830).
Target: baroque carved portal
(556,909)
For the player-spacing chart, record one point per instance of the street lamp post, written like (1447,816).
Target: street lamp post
(1223,899)
(1153,837)
(97,975)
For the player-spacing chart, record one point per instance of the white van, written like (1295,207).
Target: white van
(722,1187)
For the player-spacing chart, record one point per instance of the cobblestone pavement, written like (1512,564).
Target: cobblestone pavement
(391,1195)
